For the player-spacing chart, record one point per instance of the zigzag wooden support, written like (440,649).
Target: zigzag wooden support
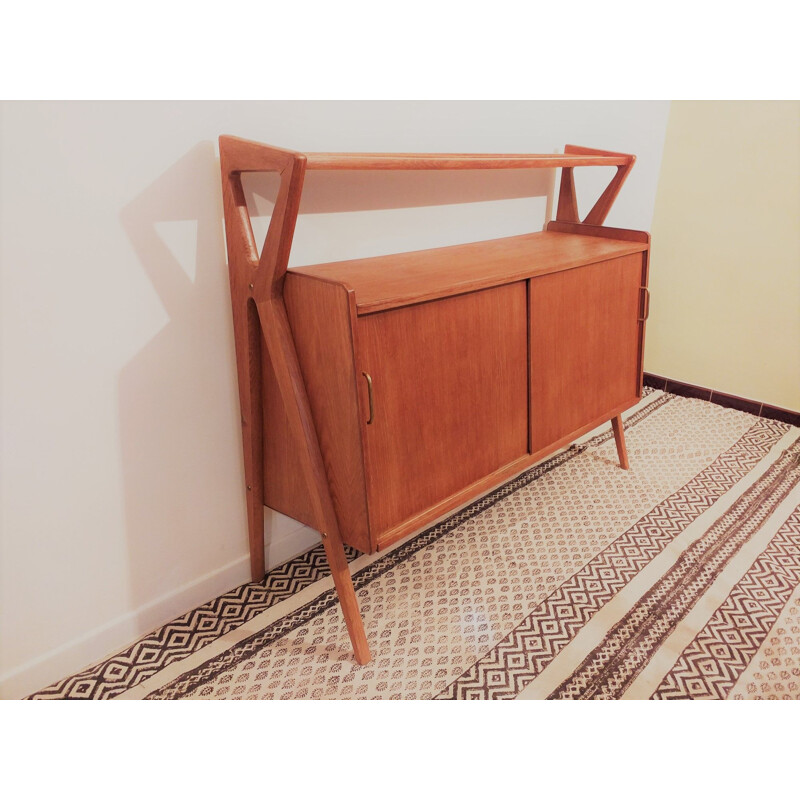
(260,318)
(567,201)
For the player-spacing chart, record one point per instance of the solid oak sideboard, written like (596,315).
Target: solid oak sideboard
(378,394)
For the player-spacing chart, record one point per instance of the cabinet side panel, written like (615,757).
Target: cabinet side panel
(449,381)
(584,351)
(320,316)
(284,484)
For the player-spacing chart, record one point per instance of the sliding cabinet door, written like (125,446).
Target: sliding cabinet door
(585,347)
(449,398)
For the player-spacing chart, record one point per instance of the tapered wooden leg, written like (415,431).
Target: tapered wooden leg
(247,333)
(280,345)
(334,550)
(619,436)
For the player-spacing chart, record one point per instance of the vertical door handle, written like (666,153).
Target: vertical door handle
(369,394)
(646,304)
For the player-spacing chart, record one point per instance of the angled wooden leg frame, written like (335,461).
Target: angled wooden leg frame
(260,319)
(259,316)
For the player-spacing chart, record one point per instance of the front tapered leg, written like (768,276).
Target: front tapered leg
(279,342)
(334,550)
(619,437)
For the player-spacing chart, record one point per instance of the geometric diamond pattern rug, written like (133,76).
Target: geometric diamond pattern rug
(676,579)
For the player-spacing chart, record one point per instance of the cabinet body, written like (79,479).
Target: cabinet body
(426,390)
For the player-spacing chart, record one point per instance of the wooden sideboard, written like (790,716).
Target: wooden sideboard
(378,394)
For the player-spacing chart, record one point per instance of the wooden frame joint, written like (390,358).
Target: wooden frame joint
(567,200)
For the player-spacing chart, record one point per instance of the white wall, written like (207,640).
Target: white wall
(122,495)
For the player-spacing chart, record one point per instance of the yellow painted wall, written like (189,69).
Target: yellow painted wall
(725,265)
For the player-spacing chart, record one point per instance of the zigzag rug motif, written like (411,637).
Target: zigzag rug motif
(516,661)
(191,632)
(712,664)
(614,664)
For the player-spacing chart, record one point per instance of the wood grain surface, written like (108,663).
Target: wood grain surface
(450,397)
(320,316)
(584,345)
(601,231)
(392,281)
(619,438)
(416,161)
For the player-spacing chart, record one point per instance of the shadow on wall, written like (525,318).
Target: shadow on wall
(177,397)
(178,400)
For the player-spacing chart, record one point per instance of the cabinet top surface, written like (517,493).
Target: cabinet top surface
(385,282)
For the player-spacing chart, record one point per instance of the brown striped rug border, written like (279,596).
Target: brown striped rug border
(709,667)
(513,663)
(614,664)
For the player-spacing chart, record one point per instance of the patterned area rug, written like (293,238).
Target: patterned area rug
(679,578)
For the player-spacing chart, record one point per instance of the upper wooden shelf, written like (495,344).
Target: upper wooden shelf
(242,155)
(415,161)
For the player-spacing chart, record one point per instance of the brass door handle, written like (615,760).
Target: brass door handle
(646,304)
(369,394)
